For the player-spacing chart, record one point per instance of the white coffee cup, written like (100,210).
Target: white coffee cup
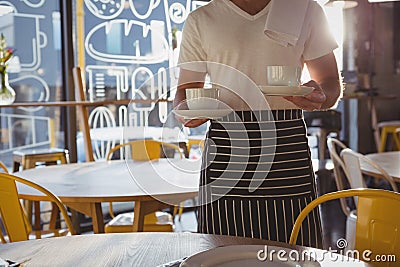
(283,75)
(202,98)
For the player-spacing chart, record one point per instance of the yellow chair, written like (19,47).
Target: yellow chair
(378,221)
(5,170)
(144,150)
(141,150)
(387,127)
(27,159)
(352,161)
(396,138)
(348,175)
(13,217)
(3,167)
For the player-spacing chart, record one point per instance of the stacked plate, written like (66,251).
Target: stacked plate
(203,103)
(251,255)
(202,114)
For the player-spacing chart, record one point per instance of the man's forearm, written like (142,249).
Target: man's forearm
(333,90)
(179,97)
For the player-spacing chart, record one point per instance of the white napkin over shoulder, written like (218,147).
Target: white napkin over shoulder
(285,20)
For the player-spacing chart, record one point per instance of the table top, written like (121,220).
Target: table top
(115,180)
(389,161)
(136,249)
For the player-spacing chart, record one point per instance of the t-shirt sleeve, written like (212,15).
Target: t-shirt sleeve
(321,41)
(192,55)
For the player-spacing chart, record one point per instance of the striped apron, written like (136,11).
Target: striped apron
(257,176)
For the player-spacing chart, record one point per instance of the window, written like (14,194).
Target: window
(33,29)
(128,49)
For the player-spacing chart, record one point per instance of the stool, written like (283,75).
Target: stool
(27,159)
(387,127)
(396,138)
(321,124)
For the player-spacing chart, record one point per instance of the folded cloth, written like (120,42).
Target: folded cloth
(285,21)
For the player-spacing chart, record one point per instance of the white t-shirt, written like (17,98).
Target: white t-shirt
(221,32)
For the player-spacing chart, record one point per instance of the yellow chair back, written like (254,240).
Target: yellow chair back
(378,221)
(11,211)
(5,170)
(144,150)
(378,224)
(3,167)
(13,218)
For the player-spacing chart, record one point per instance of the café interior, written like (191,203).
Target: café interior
(97,170)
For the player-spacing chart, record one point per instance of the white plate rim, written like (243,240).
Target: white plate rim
(203,113)
(277,90)
(205,259)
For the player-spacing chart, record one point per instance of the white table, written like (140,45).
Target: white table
(84,186)
(389,161)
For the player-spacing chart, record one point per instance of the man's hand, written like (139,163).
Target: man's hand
(191,123)
(188,79)
(312,101)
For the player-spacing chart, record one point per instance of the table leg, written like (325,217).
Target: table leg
(54,216)
(37,224)
(75,221)
(141,209)
(139,214)
(28,205)
(94,211)
(97,218)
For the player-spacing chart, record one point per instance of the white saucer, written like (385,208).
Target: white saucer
(286,90)
(202,114)
(246,255)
